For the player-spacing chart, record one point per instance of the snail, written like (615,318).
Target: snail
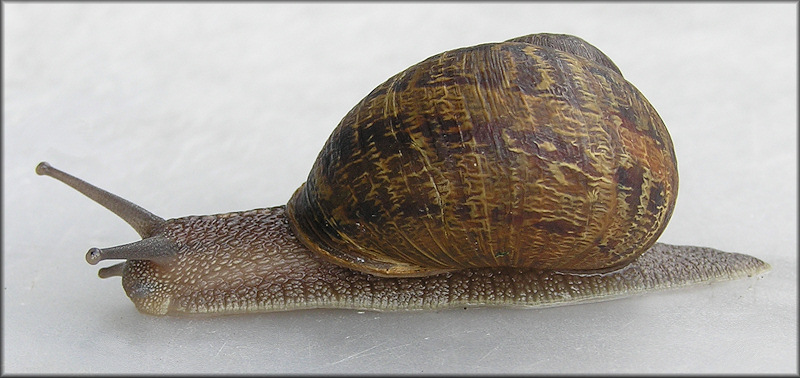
(522,173)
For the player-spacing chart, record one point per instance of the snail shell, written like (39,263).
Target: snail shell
(526,153)
(526,173)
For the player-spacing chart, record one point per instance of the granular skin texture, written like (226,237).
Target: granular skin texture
(250,261)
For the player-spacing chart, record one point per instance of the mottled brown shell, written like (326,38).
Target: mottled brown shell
(534,152)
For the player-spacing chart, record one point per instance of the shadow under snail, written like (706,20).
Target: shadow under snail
(522,173)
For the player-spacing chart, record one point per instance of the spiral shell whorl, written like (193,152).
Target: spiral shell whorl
(505,154)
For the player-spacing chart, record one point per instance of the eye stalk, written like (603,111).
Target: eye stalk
(152,247)
(143,221)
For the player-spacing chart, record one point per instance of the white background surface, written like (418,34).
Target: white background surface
(207,108)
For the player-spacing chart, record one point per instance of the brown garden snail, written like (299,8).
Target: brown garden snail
(527,172)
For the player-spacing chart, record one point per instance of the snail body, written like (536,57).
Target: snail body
(522,173)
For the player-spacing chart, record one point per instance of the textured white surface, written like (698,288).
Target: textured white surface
(205,108)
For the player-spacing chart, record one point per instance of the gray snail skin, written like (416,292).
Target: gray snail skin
(523,173)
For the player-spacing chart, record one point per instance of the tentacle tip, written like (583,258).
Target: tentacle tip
(43,169)
(111,271)
(94,256)
(763,268)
